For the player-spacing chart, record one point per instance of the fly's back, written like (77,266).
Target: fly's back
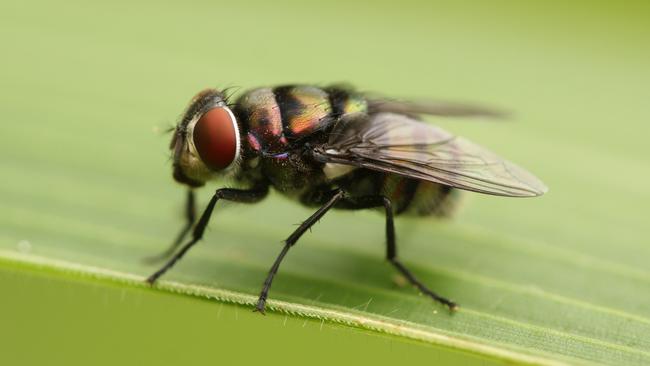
(273,118)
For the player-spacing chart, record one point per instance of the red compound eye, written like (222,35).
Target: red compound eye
(215,138)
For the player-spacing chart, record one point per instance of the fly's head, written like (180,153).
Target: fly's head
(207,142)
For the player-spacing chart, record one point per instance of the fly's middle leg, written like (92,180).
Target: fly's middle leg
(336,197)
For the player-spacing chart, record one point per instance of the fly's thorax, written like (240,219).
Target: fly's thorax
(289,174)
(333,171)
(262,120)
(279,123)
(207,143)
(276,119)
(304,108)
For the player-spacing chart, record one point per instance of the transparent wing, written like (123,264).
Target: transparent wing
(433,108)
(398,144)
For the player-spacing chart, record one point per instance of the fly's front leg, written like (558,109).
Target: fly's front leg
(190,217)
(229,194)
(391,247)
(337,196)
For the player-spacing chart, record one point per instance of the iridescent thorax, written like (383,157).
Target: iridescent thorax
(274,117)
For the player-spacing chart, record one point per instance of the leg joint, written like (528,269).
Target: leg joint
(387,203)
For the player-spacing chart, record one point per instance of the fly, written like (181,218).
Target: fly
(330,148)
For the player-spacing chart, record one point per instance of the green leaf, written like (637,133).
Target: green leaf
(87,192)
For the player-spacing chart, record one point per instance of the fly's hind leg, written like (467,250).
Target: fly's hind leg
(391,247)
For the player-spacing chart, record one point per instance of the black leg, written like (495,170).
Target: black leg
(190,216)
(229,194)
(391,247)
(291,240)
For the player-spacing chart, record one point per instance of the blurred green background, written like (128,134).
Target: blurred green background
(89,87)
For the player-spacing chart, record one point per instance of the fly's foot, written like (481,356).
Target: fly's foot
(151,280)
(261,306)
(452,306)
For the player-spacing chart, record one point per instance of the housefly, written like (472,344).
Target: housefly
(327,148)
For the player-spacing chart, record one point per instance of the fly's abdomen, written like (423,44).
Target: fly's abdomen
(275,117)
(409,196)
(417,197)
